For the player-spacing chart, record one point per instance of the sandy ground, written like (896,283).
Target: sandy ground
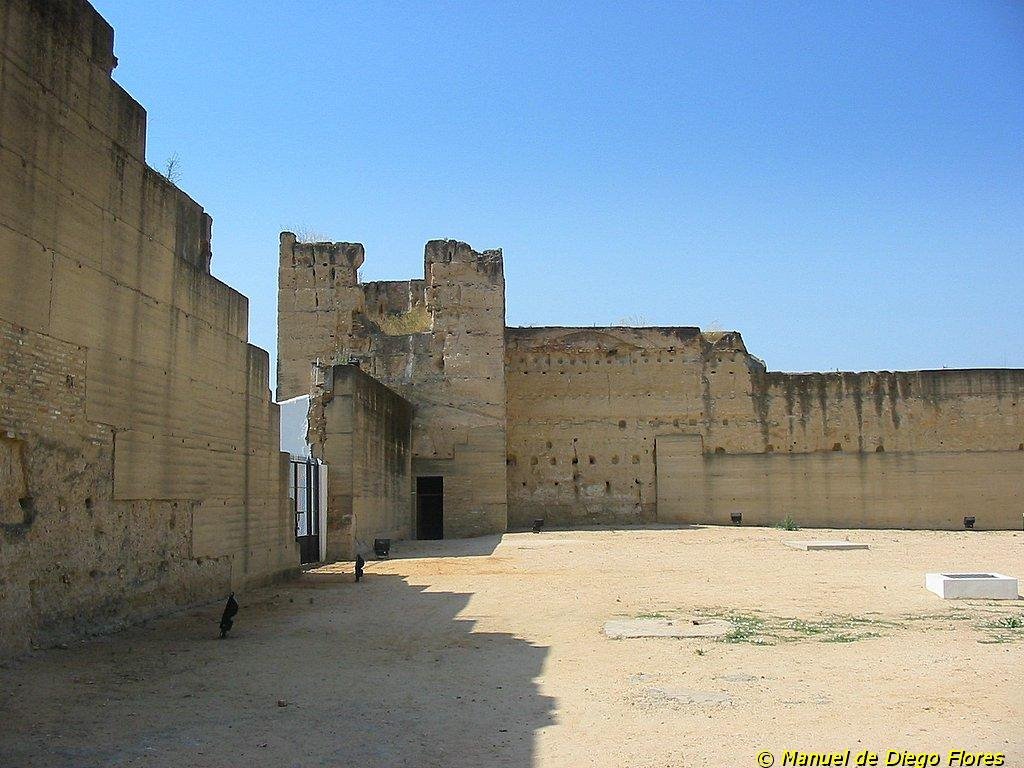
(490,652)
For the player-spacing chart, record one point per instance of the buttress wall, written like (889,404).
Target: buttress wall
(139,461)
(438,342)
(363,432)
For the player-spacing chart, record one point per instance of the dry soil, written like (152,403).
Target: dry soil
(490,652)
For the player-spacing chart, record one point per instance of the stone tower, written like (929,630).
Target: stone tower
(439,342)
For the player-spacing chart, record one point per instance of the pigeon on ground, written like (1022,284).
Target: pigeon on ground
(229,612)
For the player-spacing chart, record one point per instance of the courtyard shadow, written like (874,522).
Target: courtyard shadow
(480,546)
(621,528)
(320,672)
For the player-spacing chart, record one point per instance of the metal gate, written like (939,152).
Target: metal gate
(304,489)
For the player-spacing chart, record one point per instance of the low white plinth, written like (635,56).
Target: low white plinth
(621,629)
(991,586)
(824,546)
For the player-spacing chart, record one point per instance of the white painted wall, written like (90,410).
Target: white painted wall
(294,423)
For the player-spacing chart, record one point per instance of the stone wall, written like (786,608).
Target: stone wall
(630,425)
(581,412)
(584,408)
(438,342)
(926,489)
(363,431)
(139,467)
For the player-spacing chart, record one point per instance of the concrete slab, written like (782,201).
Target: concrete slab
(739,677)
(958,585)
(823,545)
(621,629)
(690,696)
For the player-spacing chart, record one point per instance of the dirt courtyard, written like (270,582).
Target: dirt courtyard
(490,652)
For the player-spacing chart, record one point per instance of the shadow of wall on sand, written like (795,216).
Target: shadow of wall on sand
(479,546)
(382,673)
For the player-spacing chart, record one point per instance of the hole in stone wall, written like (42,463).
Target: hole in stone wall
(615,459)
(607,486)
(880,449)
(554,461)
(719,449)
(88,502)
(622,423)
(575,460)
(15,502)
(837,446)
(592,460)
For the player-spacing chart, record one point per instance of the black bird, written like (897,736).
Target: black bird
(229,613)
(359,566)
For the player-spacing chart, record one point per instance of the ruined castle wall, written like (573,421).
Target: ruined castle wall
(585,406)
(139,467)
(363,431)
(437,342)
(318,295)
(394,297)
(618,425)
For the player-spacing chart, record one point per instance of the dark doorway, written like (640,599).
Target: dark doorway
(305,494)
(429,507)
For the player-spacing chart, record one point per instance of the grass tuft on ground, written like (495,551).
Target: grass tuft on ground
(758,628)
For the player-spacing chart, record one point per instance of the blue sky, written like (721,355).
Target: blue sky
(841,182)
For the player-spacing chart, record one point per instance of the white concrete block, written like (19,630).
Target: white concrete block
(824,545)
(991,586)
